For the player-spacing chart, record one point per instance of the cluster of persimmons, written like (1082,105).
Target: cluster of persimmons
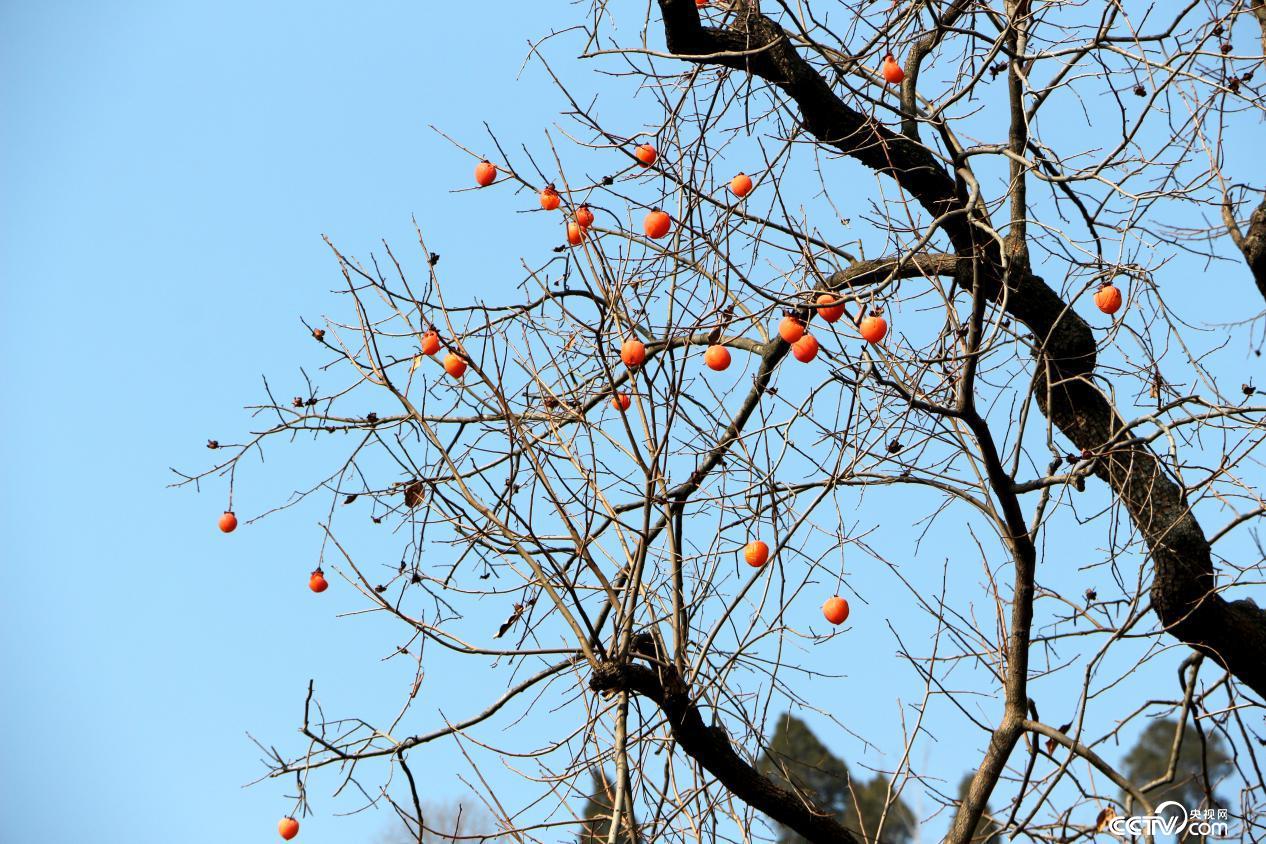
(793,330)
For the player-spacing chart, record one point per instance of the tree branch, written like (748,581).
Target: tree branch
(1183,590)
(1251,240)
(712,749)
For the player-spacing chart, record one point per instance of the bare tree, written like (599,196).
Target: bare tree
(1014,165)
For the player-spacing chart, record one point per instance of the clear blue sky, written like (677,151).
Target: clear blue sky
(167,170)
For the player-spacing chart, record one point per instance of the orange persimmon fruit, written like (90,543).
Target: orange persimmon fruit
(828,308)
(657,224)
(835,609)
(430,342)
(756,553)
(1108,299)
(717,357)
(633,353)
(805,349)
(893,74)
(317,582)
(485,173)
(791,328)
(873,327)
(287,828)
(454,365)
(549,198)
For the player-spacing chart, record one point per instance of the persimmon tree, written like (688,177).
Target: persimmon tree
(976,195)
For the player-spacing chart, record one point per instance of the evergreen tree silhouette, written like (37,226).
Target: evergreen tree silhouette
(1149,760)
(798,760)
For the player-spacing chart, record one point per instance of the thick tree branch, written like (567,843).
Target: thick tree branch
(877,270)
(1183,589)
(825,115)
(1251,240)
(712,749)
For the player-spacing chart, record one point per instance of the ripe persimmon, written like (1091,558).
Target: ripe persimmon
(657,224)
(756,553)
(287,828)
(317,582)
(805,349)
(893,74)
(584,217)
(717,357)
(645,154)
(873,327)
(549,198)
(454,365)
(828,309)
(791,328)
(621,401)
(741,185)
(1108,299)
(575,233)
(485,173)
(835,609)
(228,522)
(430,342)
(633,353)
